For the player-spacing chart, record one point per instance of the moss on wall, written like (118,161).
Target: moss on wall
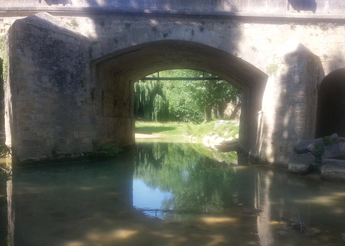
(3,56)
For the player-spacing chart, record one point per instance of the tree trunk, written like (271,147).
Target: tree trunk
(216,111)
(208,113)
(221,108)
(233,114)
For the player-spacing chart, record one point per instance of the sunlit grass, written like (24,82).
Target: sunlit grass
(168,128)
(223,129)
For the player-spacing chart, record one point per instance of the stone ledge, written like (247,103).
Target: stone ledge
(80,11)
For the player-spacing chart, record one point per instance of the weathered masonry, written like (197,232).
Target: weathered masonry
(69,67)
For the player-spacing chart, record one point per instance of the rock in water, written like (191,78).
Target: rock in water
(301,163)
(335,151)
(333,169)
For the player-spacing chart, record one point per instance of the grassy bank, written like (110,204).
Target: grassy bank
(157,128)
(221,128)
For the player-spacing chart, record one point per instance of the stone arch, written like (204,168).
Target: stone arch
(331,105)
(117,72)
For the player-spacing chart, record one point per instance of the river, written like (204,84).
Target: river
(168,194)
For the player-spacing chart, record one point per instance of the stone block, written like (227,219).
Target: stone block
(333,169)
(301,163)
(335,151)
(335,138)
(302,146)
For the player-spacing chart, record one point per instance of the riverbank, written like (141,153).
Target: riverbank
(224,129)
(211,134)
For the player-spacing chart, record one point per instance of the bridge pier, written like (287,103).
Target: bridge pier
(46,90)
(289,106)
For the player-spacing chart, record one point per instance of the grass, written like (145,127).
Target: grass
(168,128)
(223,128)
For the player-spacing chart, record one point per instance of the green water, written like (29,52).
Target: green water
(168,194)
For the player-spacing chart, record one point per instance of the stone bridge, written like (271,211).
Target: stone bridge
(69,67)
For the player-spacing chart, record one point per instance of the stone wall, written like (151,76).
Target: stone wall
(289,107)
(249,6)
(56,102)
(113,108)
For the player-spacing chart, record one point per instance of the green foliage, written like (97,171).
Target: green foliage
(109,149)
(225,129)
(272,68)
(4,62)
(227,157)
(150,101)
(181,100)
(96,143)
(320,149)
(2,43)
(4,69)
(166,128)
(327,141)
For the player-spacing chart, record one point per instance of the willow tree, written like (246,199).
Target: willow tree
(150,101)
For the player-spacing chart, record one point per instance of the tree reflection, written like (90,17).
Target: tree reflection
(198,183)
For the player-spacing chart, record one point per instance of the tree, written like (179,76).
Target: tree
(150,101)
(183,99)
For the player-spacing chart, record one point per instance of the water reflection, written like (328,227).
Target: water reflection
(10,213)
(149,200)
(6,206)
(197,183)
(168,194)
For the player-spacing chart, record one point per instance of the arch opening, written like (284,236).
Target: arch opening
(186,96)
(331,105)
(117,72)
